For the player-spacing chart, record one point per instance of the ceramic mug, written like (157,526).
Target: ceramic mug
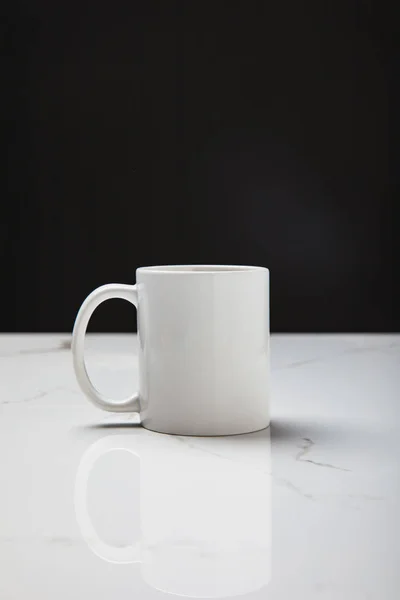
(203,348)
(204,510)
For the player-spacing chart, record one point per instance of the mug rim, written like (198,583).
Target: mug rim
(200,269)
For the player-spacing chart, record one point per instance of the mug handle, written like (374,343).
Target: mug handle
(105,292)
(113,554)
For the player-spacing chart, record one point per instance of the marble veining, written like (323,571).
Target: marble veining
(305,449)
(62,345)
(358,349)
(94,505)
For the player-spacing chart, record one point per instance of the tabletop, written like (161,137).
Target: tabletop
(94,506)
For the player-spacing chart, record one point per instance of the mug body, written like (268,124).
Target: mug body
(203,349)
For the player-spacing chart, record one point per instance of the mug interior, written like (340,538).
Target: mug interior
(199,268)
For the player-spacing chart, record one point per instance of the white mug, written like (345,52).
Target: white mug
(203,348)
(204,510)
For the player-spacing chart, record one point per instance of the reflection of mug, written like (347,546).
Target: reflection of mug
(205,514)
(203,348)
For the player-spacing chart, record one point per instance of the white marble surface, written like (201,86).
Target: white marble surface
(93,506)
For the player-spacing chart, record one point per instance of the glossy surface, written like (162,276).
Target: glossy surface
(93,506)
(203,349)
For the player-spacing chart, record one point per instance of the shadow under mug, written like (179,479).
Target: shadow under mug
(205,517)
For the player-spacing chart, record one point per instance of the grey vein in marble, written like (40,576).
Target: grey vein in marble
(290,486)
(30,399)
(63,345)
(348,351)
(190,444)
(187,442)
(38,396)
(305,449)
(59,540)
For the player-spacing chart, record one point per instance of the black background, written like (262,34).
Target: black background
(198,132)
